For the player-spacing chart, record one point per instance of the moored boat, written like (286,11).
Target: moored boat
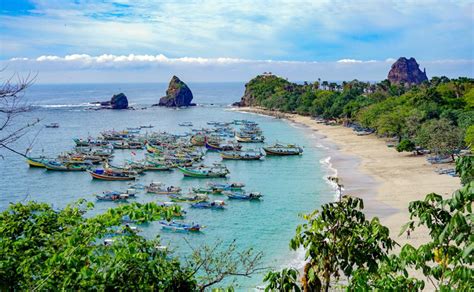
(60,166)
(283,150)
(216,170)
(179,226)
(243,196)
(101,174)
(36,161)
(216,205)
(241,155)
(160,189)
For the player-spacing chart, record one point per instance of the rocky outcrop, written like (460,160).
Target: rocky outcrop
(406,71)
(262,87)
(118,101)
(178,94)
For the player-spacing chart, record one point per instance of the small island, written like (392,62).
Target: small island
(178,94)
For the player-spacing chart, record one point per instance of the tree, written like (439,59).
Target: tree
(446,260)
(339,238)
(46,249)
(440,137)
(469,137)
(406,145)
(285,280)
(12,104)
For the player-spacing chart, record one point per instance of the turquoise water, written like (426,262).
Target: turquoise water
(290,185)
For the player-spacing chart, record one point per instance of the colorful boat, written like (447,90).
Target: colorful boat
(249,138)
(222,147)
(283,150)
(179,226)
(60,166)
(216,170)
(101,174)
(241,155)
(113,196)
(216,205)
(190,198)
(243,196)
(160,189)
(219,187)
(36,162)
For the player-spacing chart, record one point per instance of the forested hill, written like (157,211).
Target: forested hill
(412,113)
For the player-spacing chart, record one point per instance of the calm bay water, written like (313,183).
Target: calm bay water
(290,185)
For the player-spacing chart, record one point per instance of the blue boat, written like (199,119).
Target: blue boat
(178,226)
(243,196)
(216,205)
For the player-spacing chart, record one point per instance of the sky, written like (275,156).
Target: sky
(76,41)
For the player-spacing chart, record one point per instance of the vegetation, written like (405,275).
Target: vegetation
(339,239)
(407,113)
(46,249)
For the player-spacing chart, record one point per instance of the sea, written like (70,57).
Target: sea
(290,186)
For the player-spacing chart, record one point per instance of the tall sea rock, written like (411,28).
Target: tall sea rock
(406,71)
(178,94)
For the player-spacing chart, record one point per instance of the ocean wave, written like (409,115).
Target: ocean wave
(87,104)
(331,171)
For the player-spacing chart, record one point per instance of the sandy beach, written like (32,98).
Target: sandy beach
(386,179)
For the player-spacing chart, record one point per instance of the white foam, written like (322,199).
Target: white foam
(67,105)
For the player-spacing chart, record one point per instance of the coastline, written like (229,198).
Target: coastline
(391,180)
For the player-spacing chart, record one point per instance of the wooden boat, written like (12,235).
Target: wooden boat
(36,162)
(283,150)
(222,147)
(189,198)
(216,205)
(160,189)
(243,196)
(244,155)
(100,174)
(205,171)
(198,140)
(249,138)
(113,196)
(179,226)
(185,124)
(59,166)
(219,187)
(146,127)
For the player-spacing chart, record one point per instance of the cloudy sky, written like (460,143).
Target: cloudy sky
(148,41)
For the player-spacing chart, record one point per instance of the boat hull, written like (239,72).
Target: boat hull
(32,162)
(277,153)
(190,173)
(110,178)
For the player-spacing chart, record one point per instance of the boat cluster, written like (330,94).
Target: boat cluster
(163,151)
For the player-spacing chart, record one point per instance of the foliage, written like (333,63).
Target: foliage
(440,137)
(339,238)
(465,168)
(46,249)
(469,138)
(389,109)
(405,145)
(285,280)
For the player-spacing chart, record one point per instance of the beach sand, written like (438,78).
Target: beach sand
(386,179)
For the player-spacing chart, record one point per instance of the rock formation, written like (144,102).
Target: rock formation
(178,94)
(118,101)
(406,71)
(261,87)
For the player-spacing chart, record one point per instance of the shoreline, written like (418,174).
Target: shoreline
(391,179)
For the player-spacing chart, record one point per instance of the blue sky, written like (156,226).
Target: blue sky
(219,38)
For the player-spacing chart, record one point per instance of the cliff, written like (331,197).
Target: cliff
(178,94)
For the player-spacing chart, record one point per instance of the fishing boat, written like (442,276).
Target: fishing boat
(222,147)
(241,155)
(102,174)
(60,166)
(127,145)
(112,196)
(220,187)
(179,226)
(283,150)
(193,198)
(185,124)
(216,205)
(243,196)
(160,189)
(52,125)
(36,161)
(146,127)
(198,140)
(240,137)
(217,170)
